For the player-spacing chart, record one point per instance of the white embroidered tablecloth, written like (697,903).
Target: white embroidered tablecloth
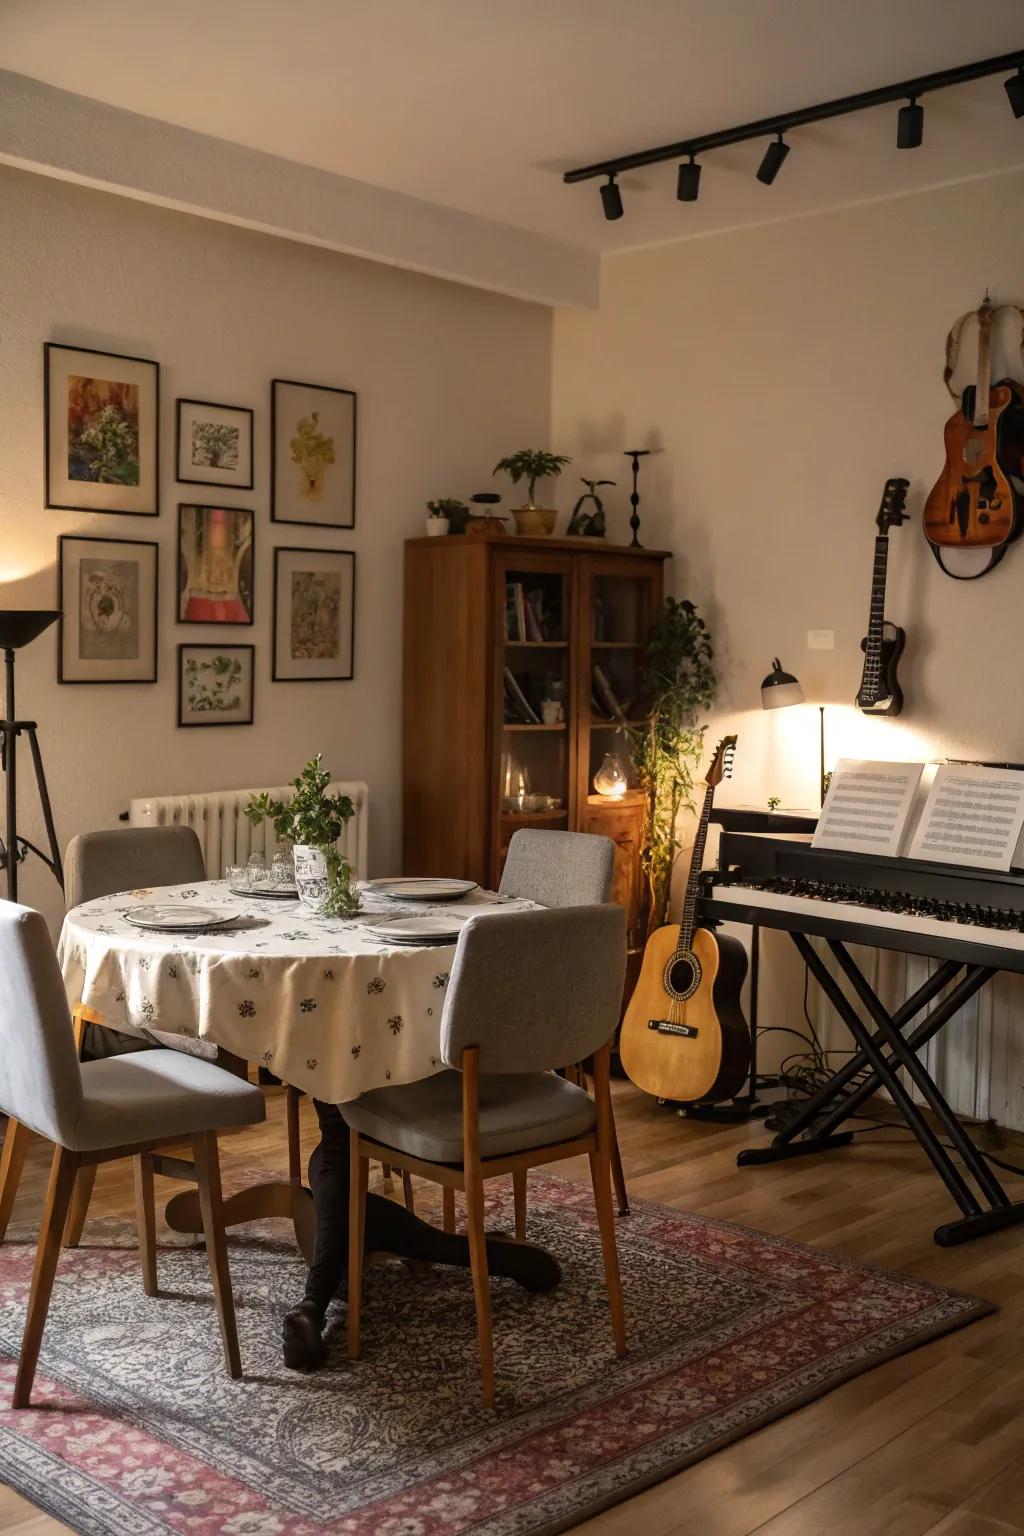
(324,1003)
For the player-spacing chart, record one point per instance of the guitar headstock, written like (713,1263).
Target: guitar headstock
(891,508)
(721,763)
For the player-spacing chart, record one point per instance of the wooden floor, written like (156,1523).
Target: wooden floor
(932,1442)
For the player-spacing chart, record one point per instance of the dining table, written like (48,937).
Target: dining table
(328,1005)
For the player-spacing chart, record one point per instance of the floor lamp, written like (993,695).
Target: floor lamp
(781,689)
(19,627)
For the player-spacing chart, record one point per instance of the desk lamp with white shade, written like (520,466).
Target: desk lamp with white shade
(781,689)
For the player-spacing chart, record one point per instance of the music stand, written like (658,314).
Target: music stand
(19,627)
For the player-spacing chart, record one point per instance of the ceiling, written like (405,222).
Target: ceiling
(480,105)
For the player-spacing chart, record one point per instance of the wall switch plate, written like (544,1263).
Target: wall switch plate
(821,639)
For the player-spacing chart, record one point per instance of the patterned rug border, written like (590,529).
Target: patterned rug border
(75,1497)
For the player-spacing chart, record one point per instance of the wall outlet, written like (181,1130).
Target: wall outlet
(821,639)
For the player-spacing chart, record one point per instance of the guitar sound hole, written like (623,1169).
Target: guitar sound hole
(683,976)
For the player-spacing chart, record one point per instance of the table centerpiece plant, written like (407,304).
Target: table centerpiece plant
(313,821)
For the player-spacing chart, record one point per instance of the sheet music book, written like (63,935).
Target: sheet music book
(869,807)
(973,816)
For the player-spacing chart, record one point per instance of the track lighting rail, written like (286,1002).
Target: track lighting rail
(770,127)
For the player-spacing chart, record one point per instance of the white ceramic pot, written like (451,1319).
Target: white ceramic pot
(436,526)
(310,875)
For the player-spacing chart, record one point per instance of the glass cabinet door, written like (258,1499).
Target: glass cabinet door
(617,612)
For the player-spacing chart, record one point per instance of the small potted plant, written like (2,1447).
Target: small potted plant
(447,515)
(312,822)
(531,465)
(590,524)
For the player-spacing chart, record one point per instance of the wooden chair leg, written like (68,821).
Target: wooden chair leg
(358,1176)
(58,1199)
(618,1177)
(145,1206)
(447,1209)
(292,1096)
(211,1203)
(600,1173)
(385,1171)
(475,1216)
(12,1161)
(407,1194)
(519,1201)
(79,1206)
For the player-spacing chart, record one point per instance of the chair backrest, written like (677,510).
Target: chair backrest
(535,990)
(559,869)
(40,1080)
(101,863)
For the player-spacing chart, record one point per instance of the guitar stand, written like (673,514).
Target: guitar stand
(882,1054)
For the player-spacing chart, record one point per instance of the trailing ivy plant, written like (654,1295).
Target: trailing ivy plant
(313,819)
(678,682)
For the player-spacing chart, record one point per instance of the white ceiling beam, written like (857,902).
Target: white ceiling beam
(57,133)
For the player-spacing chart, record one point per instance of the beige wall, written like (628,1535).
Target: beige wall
(785,372)
(448,379)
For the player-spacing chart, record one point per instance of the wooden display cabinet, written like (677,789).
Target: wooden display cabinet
(493,628)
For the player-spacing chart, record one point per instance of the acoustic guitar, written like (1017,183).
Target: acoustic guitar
(973,504)
(684,1036)
(880,692)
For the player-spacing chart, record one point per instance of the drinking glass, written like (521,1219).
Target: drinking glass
(282,870)
(257,868)
(238,877)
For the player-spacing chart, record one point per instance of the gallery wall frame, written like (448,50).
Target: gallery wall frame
(314,615)
(312,454)
(215,566)
(101,415)
(108,629)
(195,448)
(205,697)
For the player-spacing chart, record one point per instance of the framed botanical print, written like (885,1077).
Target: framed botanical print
(102,416)
(312,454)
(314,615)
(213,444)
(215,684)
(108,600)
(215,548)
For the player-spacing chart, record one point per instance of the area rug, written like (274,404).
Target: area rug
(138,1430)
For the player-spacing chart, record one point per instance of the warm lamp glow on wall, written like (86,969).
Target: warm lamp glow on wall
(611,779)
(779,690)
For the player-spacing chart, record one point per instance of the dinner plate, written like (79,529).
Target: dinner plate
(429,929)
(183,917)
(415,888)
(281,892)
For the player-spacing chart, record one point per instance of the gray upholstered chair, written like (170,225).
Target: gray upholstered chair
(126,1106)
(526,989)
(558,869)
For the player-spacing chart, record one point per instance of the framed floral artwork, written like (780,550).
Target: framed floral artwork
(312,454)
(107,595)
(213,444)
(102,421)
(215,564)
(215,684)
(314,615)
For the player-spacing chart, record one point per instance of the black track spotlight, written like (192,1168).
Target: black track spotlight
(688,185)
(910,126)
(1015,91)
(611,198)
(772,163)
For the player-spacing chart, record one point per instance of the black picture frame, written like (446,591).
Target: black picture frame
(327,389)
(50,347)
(214,723)
(215,405)
(341,555)
(105,682)
(248,512)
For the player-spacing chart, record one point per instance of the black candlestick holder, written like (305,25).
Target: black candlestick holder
(636,454)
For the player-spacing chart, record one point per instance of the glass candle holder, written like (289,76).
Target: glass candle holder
(611,779)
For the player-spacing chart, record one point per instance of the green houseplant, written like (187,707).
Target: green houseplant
(447,515)
(531,465)
(313,821)
(678,681)
(589,524)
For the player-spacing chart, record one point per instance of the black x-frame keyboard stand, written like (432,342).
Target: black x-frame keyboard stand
(881,1053)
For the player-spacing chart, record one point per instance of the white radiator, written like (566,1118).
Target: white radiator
(218,818)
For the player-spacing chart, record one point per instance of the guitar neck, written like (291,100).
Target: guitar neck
(876,615)
(686,926)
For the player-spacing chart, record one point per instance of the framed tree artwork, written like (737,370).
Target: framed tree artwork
(213,444)
(107,596)
(312,454)
(215,684)
(102,421)
(314,615)
(215,565)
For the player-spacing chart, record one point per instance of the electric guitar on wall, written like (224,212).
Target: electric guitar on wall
(684,1036)
(880,692)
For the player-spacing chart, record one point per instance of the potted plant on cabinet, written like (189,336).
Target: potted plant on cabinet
(531,465)
(589,524)
(313,821)
(447,515)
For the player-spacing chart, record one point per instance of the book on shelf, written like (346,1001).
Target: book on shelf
(611,709)
(517,702)
(526,617)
